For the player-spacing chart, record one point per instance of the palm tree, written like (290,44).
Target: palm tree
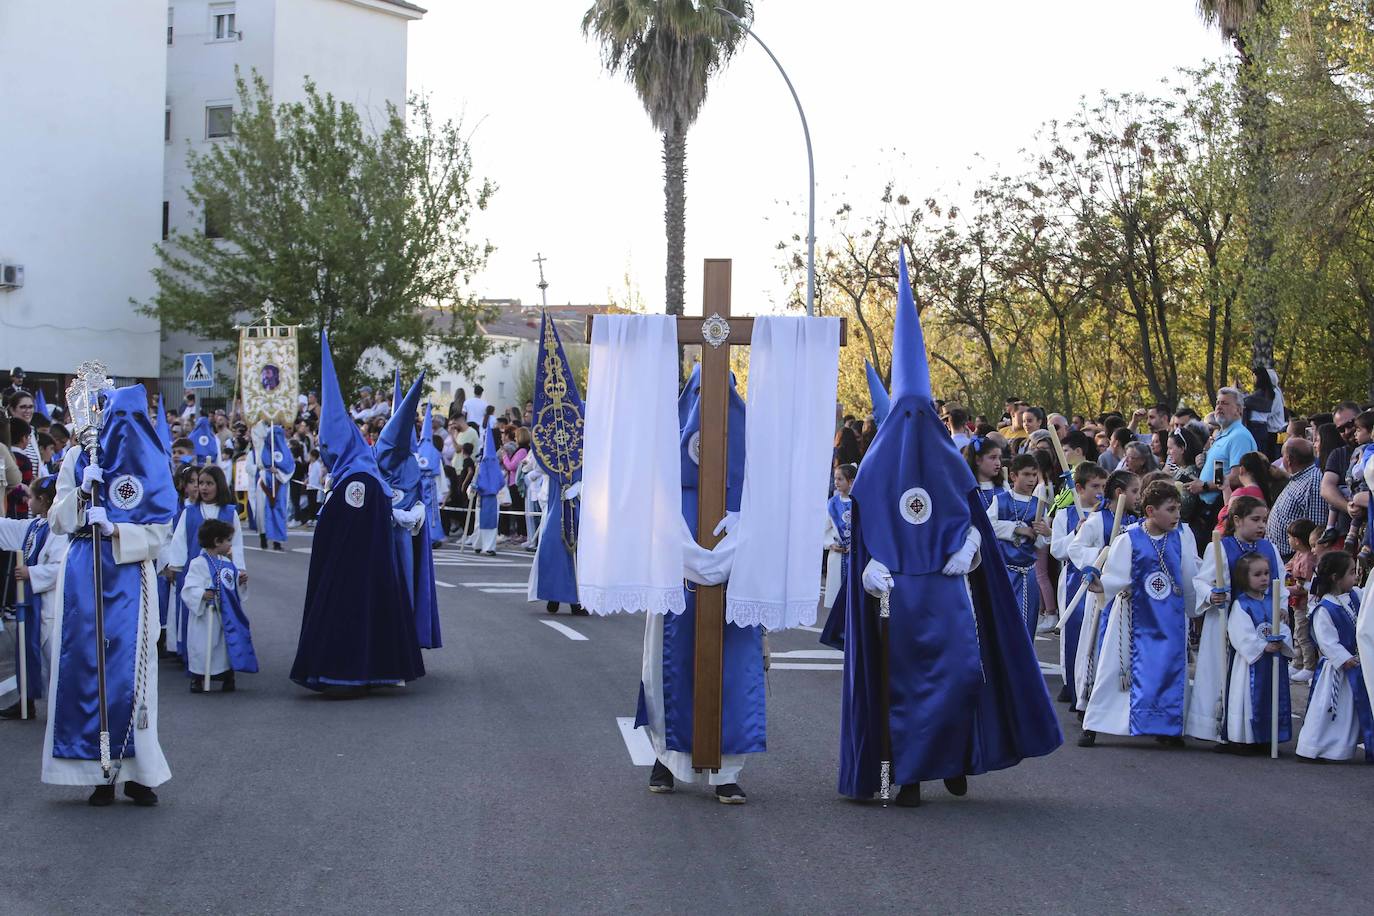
(1242,23)
(668,50)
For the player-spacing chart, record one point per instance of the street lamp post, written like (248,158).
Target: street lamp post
(810,166)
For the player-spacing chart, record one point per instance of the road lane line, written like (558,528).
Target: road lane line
(444,584)
(636,741)
(811,629)
(566,631)
(804,666)
(831,654)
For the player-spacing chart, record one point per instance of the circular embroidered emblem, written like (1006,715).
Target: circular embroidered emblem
(276,457)
(915,506)
(694,447)
(847,516)
(1157,585)
(355,493)
(203,440)
(227,579)
(126,492)
(422,461)
(397,496)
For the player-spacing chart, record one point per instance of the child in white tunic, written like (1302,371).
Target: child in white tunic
(216,620)
(1249,629)
(1338,713)
(43,552)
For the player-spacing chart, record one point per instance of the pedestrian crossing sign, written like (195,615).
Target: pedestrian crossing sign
(199,370)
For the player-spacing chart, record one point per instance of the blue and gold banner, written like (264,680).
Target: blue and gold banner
(558,412)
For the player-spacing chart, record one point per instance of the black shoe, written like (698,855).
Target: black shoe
(551,607)
(488,553)
(140,794)
(661,779)
(1087,739)
(262,541)
(227,685)
(278,547)
(579,611)
(730,794)
(1170,740)
(101,797)
(197,684)
(909,796)
(14,712)
(1065,695)
(957,786)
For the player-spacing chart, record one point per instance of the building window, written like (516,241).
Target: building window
(446,388)
(219,121)
(166,219)
(169,26)
(216,218)
(167,126)
(222,26)
(500,389)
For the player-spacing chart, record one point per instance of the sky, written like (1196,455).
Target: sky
(928,94)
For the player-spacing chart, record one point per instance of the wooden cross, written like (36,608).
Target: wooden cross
(716,331)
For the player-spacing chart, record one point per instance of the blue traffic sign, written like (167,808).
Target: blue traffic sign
(199,370)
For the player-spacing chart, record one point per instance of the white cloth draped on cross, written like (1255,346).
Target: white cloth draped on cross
(634,549)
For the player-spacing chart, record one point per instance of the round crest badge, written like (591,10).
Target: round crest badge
(203,440)
(1157,585)
(227,579)
(276,457)
(125,492)
(694,447)
(847,516)
(422,461)
(355,493)
(916,506)
(397,496)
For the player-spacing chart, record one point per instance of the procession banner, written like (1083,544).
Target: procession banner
(269,373)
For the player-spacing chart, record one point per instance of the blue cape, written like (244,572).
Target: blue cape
(490,476)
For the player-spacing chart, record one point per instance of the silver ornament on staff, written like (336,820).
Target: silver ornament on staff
(83,404)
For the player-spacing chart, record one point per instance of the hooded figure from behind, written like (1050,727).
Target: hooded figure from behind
(964,692)
(357,628)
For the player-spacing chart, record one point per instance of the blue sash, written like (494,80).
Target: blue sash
(1260,612)
(1072,624)
(1159,634)
(274,508)
(30,611)
(238,639)
(194,515)
(1344,622)
(986,496)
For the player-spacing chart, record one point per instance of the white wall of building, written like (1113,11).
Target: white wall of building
(81,173)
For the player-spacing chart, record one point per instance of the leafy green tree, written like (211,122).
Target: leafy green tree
(668,50)
(362,229)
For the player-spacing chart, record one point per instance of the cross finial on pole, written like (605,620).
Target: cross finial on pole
(543,284)
(267,309)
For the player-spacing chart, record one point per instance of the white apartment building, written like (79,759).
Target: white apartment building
(81,171)
(354,49)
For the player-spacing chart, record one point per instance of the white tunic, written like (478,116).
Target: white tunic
(202,621)
(1109,708)
(834,562)
(174,556)
(1330,729)
(1364,627)
(131,544)
(1249,642)
(1209,677)
(43,577)
(1083,550)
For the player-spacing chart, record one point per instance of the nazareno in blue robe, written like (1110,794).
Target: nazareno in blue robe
(966,695)
(276,496)
(138,490)
(744,711)
(238,636)
(557,447)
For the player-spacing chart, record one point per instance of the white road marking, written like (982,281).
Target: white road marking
(834,654)
(494,584)
(305,550)
(1050,668)
(444,584)
(515,590)
(804,666)
(565,630)
(811,629)
(636,742)
(9,683)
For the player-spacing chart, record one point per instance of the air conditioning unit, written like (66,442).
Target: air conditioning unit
(11,276)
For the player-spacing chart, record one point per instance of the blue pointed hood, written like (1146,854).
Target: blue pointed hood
(877,394)
(396,395)
(395,448)
(431,460)
(276,453)
(40,403)
(342,446)
(138,485)
(914,489)
(205,442)
(164,432)
(910,369)
(489,475)
(691,392)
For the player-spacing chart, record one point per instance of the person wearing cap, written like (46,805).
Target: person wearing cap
(16,384)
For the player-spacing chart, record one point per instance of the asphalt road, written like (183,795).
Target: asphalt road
(502,783)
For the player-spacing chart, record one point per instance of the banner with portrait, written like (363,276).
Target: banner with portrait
(269,373)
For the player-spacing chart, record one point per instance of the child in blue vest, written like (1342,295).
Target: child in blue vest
(1021,530)
(1249,717)
(211,592)
(984,457)
(1338,711)
(1088,482)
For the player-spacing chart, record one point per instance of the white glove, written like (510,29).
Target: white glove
(729,523)
(706,567)
(90,477)
(410,519)
(96,516)
(877,579)
(964,559)
(472,492)
(574,491)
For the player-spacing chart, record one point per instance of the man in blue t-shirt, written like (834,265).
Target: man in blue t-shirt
(1230,442)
